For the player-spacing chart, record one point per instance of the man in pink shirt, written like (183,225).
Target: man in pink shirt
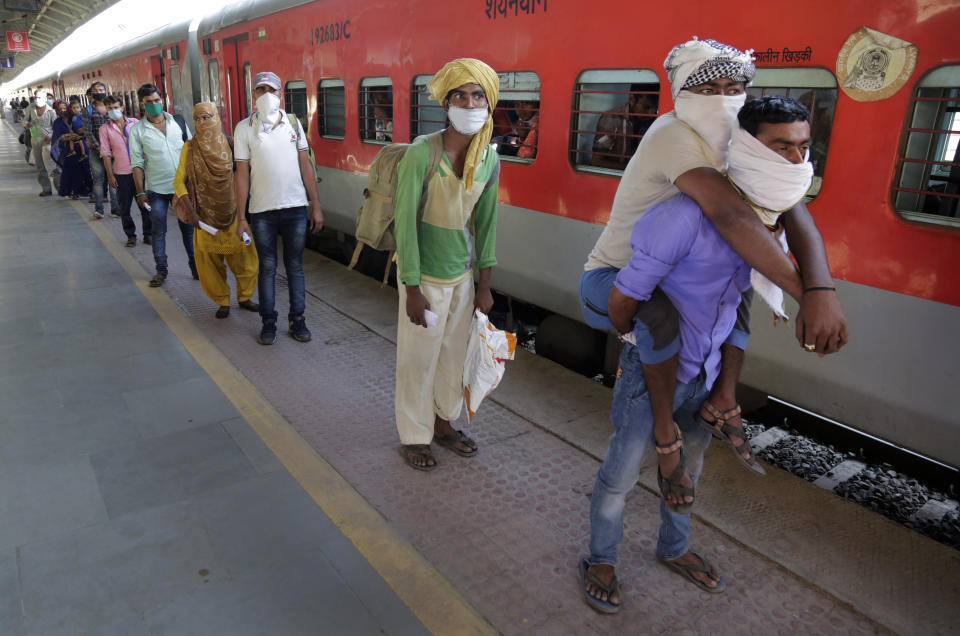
(116,160)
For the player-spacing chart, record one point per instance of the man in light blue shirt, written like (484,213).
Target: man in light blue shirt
(155,144)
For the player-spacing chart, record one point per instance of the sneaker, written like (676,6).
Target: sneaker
(268,334)
(98,215)
(148,240)
(298,330)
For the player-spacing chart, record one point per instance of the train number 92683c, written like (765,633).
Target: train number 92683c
(330,32)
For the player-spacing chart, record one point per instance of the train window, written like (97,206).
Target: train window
(136,105)
(376,109)
(928,184)
(815,88)
(247,87)
(126,104)
(426,115)
(295,98)
(611,111)
(331,109)
(175,90)
(213,78)
(516,119)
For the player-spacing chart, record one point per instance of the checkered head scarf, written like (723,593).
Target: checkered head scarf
(700,61)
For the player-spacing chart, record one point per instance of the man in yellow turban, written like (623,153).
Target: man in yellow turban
(205,197)
(457,208)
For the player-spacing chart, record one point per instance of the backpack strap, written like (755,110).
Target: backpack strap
(183,126)
(435,141)
(293,124)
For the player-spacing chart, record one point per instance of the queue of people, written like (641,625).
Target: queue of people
(699,220)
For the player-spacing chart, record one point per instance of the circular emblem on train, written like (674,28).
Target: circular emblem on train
(873,65)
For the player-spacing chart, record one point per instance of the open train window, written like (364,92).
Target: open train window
(815,88)
(612,109)
(426,115)
(331,109)
(213,81)
(247,88)
(376,110)
(516,119)
(295,98)
(928,183)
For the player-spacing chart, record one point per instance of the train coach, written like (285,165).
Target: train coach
(882,79)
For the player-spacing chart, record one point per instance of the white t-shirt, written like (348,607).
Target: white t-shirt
(273,153)
(668,149)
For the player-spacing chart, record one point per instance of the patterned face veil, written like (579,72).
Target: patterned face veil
(210,169)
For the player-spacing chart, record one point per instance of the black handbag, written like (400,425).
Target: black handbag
(22,138)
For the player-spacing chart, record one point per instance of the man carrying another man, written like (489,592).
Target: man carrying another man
(435,257)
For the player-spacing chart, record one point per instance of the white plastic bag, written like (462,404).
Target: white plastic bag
(487,351)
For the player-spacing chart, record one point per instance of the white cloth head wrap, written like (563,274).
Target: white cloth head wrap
(704,60)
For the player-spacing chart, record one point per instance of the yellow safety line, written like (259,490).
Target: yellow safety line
(418,584)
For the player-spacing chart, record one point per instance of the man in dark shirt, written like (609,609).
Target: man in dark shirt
(94,116)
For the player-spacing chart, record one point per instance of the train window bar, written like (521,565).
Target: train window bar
(927,186)
(331,109)
(295,98)
(815,88)
(376,110)
(612,109)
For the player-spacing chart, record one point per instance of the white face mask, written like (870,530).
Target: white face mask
(768,179)
(115,114)
(468,121)
(713,117)
(41,102)
(268,104)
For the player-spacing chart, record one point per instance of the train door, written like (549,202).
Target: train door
(176,92)
(237,73)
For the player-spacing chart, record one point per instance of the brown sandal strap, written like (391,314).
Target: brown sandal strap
(673,446)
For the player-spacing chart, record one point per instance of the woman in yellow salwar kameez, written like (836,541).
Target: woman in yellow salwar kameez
(205,198)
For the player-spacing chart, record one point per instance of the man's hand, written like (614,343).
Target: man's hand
(315,222)
(113,181)
(483,299)
(417,304)
(141,200)
(820,322)
(621,309)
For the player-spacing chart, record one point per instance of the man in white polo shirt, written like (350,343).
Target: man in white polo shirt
(275,174)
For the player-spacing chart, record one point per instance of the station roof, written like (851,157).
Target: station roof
(47,23)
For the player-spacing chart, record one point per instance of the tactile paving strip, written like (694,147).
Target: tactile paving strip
(506,528)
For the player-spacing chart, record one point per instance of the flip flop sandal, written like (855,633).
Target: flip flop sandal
(671,485)
(157,280)
(450,442)
(407,451)
(687,571)
(725,433)
(222,312)
(600,605)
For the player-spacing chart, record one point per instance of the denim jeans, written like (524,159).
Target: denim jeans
(160,203)
(631,444)
(100,184)
(291,225)
(125,188)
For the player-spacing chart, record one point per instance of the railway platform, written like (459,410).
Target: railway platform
(162,473)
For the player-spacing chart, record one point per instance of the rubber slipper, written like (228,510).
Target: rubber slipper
(407,450)
(598,604)
(687,571)
(724,434)
(450,442)
(222,312)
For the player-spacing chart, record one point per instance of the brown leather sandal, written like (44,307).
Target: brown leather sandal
(671,485)
(719,428)
(409,451)
(157,280)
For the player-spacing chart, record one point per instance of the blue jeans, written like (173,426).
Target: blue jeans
(100,184)
(630,444)
(158,222)
(125,189)
(291,225)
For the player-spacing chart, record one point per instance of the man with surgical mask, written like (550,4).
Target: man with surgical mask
(453,177)
(40,120)
(675,248)
(155,145)
(93,117)
(116,159)
(275,176)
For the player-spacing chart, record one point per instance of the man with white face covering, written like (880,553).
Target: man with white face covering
(436,250)
(675,248)
(275,175)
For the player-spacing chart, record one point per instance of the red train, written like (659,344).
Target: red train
(885,102)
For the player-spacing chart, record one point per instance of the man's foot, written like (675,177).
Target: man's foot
(45,194)
(727,426)
(268,333)
(600,586)
(194,272)
(249,305)
(97,216)
(91,199)
(418,456)
(157,280)
(450,438)
(148,240)
(298,329)
(114,214)
(676,486)
(222,312)
(131,241)
(698,570)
